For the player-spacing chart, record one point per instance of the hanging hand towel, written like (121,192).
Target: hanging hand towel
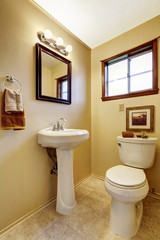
(19,102)
(13,101)
(13,119)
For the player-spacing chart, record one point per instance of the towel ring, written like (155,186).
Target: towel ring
(12,80)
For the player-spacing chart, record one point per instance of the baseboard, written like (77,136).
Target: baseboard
(82,180)
(97,176)
(154,195)
(10,227)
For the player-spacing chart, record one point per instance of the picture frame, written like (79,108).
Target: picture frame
(140,119)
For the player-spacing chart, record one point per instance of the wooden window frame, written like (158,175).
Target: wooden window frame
(59,85)
(130,53)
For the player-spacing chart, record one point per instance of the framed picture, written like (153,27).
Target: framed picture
(140,119)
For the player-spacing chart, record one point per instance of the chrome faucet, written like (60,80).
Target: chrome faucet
(58,125)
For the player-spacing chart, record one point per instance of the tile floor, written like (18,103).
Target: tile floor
(88,222)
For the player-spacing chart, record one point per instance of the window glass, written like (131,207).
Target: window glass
(117,78)
(141,82)
(140,64)
(64,86)
(141,72)
(131,74)
(64,94)
(64,89)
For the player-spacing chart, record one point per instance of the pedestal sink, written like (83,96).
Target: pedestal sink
(64,141)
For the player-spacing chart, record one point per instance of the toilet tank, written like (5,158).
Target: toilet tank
(137,152)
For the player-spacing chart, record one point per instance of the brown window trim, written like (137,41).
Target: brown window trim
(155,88)
(59,85)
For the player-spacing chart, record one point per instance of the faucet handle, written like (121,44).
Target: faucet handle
(53,125)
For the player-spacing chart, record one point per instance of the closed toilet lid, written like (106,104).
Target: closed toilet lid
(126,176)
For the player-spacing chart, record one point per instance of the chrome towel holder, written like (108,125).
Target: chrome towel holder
(12,80)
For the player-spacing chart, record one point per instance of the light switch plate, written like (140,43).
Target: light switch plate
(121,107)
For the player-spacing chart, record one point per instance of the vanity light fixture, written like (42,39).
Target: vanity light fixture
(59,41)
(46,37)
(48,34)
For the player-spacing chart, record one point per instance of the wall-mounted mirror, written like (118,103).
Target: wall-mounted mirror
(53,76)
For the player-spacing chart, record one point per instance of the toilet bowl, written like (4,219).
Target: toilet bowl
(127,191)
(127,184)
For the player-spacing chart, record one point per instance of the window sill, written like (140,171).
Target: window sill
(130,95)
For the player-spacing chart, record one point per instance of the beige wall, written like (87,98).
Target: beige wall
(47,82)
(25,180)
(106,120)
(49,76)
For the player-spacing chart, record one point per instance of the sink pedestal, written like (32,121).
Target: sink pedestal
(64,141)
(65,190)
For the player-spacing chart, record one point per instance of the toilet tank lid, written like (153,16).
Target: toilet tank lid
(150,140)
(126,176)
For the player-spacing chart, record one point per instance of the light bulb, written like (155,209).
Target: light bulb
(59,41)
(48,34)
(69,48)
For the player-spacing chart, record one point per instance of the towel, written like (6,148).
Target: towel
(13,119)
(13,101)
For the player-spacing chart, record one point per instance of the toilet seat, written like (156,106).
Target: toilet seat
(126,177)
(126,183)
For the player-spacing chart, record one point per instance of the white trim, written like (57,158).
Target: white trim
(154,195)
(16,223)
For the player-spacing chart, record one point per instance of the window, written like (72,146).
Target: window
(62,87)
(131,74)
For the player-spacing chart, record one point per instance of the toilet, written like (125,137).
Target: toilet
(127,184)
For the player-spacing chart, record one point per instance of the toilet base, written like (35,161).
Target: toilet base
(125,217)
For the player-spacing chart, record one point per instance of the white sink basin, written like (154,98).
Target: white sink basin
(64,139)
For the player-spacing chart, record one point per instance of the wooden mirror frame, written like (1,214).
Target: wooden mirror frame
(39,96)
